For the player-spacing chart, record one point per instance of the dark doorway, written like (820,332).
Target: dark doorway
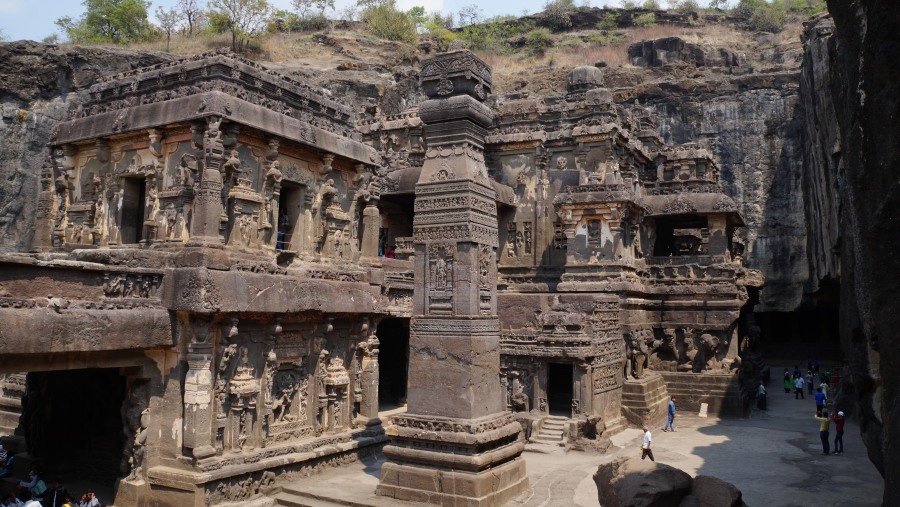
(134,195)
(73,424)
(559,388)
(290,205)
(393,359)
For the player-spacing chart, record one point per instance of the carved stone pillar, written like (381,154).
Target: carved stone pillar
(46,210)
(368,409)
(457,445)
(371,226)
(208,208)
(198,389)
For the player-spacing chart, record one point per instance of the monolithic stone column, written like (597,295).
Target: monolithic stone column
(456,445)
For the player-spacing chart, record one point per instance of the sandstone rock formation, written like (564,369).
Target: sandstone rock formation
(631,482)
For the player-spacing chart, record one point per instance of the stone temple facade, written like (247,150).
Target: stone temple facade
(232,275)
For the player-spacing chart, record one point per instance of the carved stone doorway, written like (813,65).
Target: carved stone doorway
(393,335)
(559,389)
(134,196)
(73,424)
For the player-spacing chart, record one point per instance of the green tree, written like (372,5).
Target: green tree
(652,5)
(115,21)
(469,15)
(168,22)
(245,19)
(192,13)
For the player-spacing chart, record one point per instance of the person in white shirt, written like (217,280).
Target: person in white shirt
(798,389)
(645,445)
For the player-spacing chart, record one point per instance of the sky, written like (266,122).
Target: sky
(33,19)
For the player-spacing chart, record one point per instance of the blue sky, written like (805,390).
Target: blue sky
(33,19)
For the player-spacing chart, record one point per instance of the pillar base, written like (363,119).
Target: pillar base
(458,462)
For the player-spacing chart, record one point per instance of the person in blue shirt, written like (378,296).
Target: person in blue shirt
(820,399)
(671,424)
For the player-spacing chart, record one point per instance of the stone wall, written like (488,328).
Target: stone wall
(866,97)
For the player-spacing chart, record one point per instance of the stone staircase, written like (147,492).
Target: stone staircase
(645,400)
(551,431)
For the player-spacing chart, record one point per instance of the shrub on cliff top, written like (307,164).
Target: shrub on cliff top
(557,14)
(387,22)
(768,18)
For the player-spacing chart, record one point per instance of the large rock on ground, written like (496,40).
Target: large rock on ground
(629,482)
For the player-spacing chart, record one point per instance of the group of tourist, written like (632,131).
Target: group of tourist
(35,493)
(824,426)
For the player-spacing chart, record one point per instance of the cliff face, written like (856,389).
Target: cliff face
(866,96)
(752,124)
(37,85)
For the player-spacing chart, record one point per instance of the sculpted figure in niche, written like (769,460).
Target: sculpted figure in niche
(636,353)
(285,388)
(187,170)
(139,445)
(440,272)
(232,166)
(706,358)
(562,163)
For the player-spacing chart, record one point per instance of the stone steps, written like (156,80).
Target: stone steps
(551,431)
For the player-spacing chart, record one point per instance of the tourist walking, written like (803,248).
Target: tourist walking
(838,433)
(761,397)
(798,388)
(824,422)
(646,443)
(788,382)
(820,399)
(810,384)
(671,424)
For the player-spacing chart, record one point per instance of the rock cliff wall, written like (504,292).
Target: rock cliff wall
(37,89)
(753,124)
(863,86)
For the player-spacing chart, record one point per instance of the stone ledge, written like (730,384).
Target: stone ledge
(188,480)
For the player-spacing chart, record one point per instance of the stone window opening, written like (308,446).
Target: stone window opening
(681,235)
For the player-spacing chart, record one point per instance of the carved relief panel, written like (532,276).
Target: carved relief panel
(439,283)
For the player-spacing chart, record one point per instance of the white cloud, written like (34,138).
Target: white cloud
(11,6)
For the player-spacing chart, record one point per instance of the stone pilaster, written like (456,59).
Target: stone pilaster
(208,210)
(457,445)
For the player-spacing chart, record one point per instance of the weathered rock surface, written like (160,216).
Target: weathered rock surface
(866,96)
(635,482)
(38,85)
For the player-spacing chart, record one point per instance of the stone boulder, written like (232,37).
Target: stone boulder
(631,482)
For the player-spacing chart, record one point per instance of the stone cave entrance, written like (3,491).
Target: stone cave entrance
(73,424)
(393,359)
(559,389)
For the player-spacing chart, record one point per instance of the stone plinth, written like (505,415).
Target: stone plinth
(721,391)
(645,400)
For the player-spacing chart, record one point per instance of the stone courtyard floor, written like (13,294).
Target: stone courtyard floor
(774,457)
